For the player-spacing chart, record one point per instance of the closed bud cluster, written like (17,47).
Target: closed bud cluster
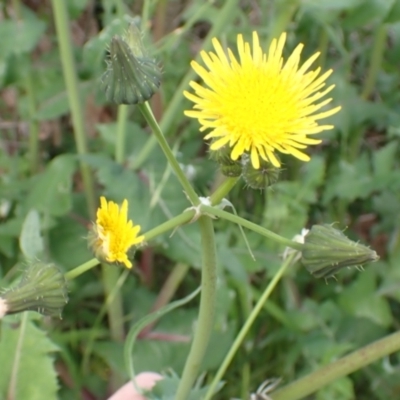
(132,77)
(262,177)
(326,250)
(228,166)
(42,288)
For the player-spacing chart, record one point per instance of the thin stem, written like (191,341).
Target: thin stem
(375,63)
(280,20)
(148,114)
(71,82)
(121,130)
(224,16)
(33,123)
(223,190)
(246,327)
(175,222)
(378,49)
(111,275)
(205,320)
(250,225)
(323,47)
(13,379)
(119,5)
(30,92)
(342,367)
(70,275)
(167,291)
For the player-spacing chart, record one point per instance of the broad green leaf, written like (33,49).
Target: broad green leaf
(20,37)
(51,190)
(367,12)
(340,389)
(361,299)
(31,241)
(394,13)
(26,361)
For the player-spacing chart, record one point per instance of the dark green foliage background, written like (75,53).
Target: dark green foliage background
(353,179)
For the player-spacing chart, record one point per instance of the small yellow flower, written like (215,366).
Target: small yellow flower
(114,233)
(259,104)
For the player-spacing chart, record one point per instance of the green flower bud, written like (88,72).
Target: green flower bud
(132,77)
(327,250)
(42,288)
(228,166)
(262,177)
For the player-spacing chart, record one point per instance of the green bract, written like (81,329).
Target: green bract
(42,288)
(327,250)
(131,77)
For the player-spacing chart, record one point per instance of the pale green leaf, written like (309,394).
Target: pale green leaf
(26,362)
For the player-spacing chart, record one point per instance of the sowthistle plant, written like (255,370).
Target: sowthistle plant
(254,105)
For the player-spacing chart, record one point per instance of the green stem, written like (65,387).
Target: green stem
(246,327)
(167,291)
(119,5)
(13,379)
(110,275)
(342,367)
(148,114)
(378,49)
(223,190)
(71,82)
(224,16)
(323,47)
(281,18)
(250,225)
(30,92)
(121,130)
(376,57)
(33,123)
(74,273)
(175,222)
(205,320)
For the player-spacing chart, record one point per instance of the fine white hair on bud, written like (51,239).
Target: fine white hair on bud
(3,307)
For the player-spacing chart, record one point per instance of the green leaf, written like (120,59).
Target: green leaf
(135,329)
(367,12)
(30,241)
(394,13)
(341,389)
(20,37)
(361,300)
(26,362)
(51,190)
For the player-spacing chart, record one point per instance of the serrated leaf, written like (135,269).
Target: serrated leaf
(30,240)
(26,362)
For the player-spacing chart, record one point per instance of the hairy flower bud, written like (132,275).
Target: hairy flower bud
(228,166)
(132,77)
(327,250)
(262,177)
(42,288)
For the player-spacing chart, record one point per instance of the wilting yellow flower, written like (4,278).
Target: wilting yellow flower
(114,233)
(259,104)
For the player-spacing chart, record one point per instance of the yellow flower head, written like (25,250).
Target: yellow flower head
(260,104)
(114,233)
